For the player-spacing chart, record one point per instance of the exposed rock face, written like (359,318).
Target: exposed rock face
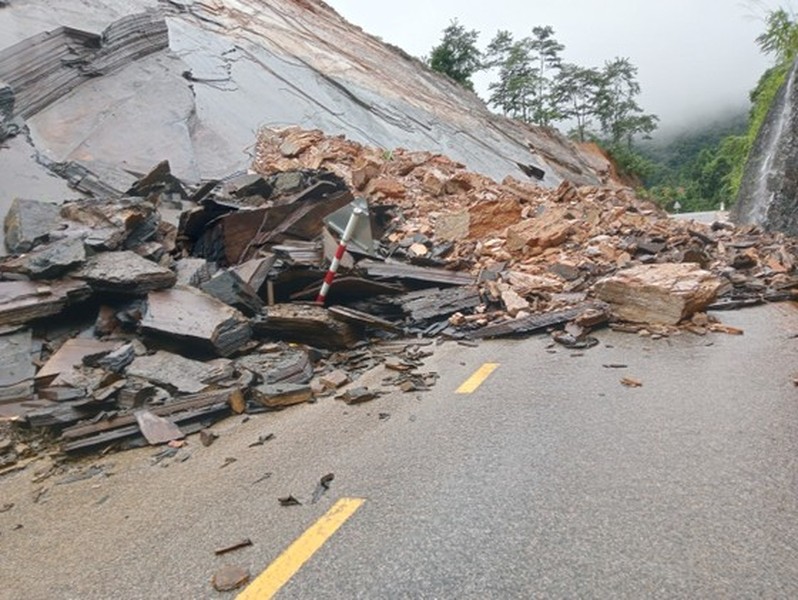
(769,192)
(224,63)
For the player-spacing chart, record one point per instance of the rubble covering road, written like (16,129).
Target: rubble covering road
(167,308)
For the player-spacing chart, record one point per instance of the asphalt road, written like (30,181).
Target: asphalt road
(550,480)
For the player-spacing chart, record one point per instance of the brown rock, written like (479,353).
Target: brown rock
(281,394)
(492,216)
(386,187)
(658,293)
(229,578)
(418,250)
(513,303)
(452,226)
(547,231)
(23,301)
(237,402)
(307,324)
(296,141)
(526,284)
(334,379)
(71,355)
(463,182)
(112,224)
(434,182)
(207,437)
(363,171)
(566,192)
(156,429)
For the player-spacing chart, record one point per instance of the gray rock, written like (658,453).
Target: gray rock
(49,261)
(194,271)
(185,315)
(228,287)
(125,272)
(175,372)
(16,366)
(28,223)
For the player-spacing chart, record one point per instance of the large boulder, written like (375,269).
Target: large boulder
(660,293)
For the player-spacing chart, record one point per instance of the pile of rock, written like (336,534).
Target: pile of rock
(545,249)
(148,314)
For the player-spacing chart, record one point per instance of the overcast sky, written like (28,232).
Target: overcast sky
(696,58)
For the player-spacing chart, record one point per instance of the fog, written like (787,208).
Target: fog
(697,59)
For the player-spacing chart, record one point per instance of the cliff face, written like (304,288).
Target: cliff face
(769,192)
(103,84)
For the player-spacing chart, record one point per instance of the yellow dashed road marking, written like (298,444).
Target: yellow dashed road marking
(277,574)
(477,379)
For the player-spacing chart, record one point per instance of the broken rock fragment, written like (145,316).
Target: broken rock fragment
(176,372)
(24,301)
(27,223)
(229,578)
(125,272)
(513,302)
(357,395)
(70,355)
(658,293)
(157,430)
(16,366)
(452,226)
(48,261)
(488,217)
(549,230)
(282,394)
(119,224)
(228,287)
(308,324)
(186,315)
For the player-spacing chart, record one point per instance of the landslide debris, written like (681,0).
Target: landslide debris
(155,313)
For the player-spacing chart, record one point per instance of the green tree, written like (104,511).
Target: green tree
(781,36)
(526,67)
(617,109)
(545,52)
(517,85)
(457,55)
(574,94)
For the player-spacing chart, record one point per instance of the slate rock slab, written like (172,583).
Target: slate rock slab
(50,261)
(125,272)
(24,301)
(27,223)
(187,315)
(176,372)
(16,366)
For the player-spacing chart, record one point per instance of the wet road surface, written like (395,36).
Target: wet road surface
(549,479)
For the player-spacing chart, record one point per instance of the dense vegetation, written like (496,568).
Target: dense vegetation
(699,170)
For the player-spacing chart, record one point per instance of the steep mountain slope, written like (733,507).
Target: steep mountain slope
(104,84)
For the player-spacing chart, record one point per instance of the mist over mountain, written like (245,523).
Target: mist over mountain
(695,59)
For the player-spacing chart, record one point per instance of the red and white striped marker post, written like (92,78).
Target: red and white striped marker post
(357,212)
